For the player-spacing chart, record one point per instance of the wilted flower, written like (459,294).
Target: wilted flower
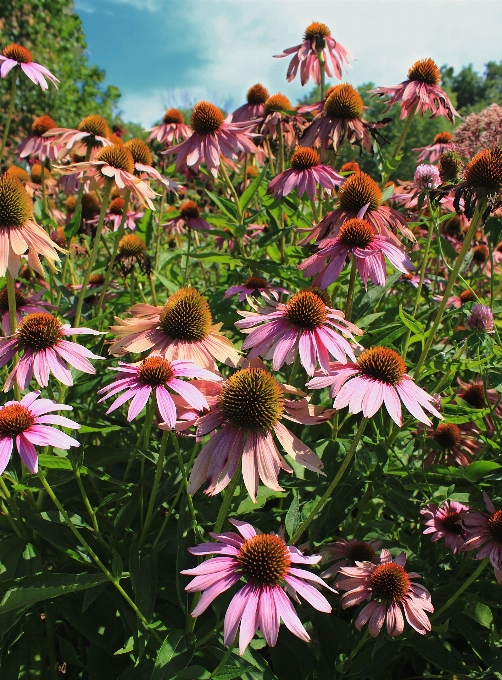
(265,562)
(445,521)
(17,55)
(172,129)
(290,123)
(305,173)
(131,251)
(450,167)
(443,141)
(25,422)
(484,534)
(482,179)
(252,285)
(481,319)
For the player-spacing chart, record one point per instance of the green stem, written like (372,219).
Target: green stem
(463,587)
(189,244)
(10,111)
(131,288)
(155,488)
(159,230)
(476,218)
(327,494)
(270,157)
(362,507)
(323,74)
(11,298)
(350,292)
(400,141)
(294,369)
(183,471)
(315,212)
(91,552)
(227,500)
(89,508)
(94,253)
(143,438)
(280,139)
(231,188)
(224,660)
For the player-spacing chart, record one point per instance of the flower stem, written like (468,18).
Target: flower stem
(270,157)
(231,188)
(224,660)
(94,252)
(155,488)
(350,292)
(143,438)
(280,139)
(294,369)
(9,112)
(83,542)
(189,245)
(11,298)
(87,503)
(463,587)
(327,494)
(320,56)
(227,500)
(476,218)
(159,230)
(400,141)
(11,502)
(181,465)
(315,212)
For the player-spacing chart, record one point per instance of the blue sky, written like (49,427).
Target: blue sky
(164,53)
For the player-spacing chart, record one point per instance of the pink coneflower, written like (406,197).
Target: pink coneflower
(368,247)
(345,553)
(92,132)
(305,173)
(253,285)
(136,382)
(181,329)
(18,232)
(445,521)
(41,338)
(17,55)
(484,534)
(341,119)
(249,411)
(306,324)
(457,301)
(143,160)
(420,92)
(115,212)
(378,377)
(481,320)
(414,280)
(443,141)
(458,444)
(291,124)
(389,587)
(213,136)
(36,145)
(115,162)
(189,217)
(482,179)
(360,196)
(230,241)
(25,304)
(265,562)
(256,97)
(172,129)
(478,397)
(25,422)
(316,40)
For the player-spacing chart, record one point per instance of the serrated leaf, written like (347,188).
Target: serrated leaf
(293,519)
(479,469)
(175,654)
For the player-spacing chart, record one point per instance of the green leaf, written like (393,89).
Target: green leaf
(73,225)
(250,191)
(224,204)
(493,230)
(479,469)
(143,570)
(175,654)
(387,192)
(438,655)
(145,226)
(293,518)
(28,590)
(410,322)
(194,673)
(481,613)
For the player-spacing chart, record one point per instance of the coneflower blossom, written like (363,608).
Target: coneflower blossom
(115,212)
(389,587)
(458,444)
(305,173)
(348,553)
(41,338)
(18,231)
(249,411)
(136,382)
(172,129)
(443,141)
(445,521)
(256,97)
(484,534)
(253,285)
(189,217)
(316,39)
(213,136)
(25,304)
(368,247)
(360,196)
(181,329)
(37,145)
(112,162)
(17,55)
(26,423)
(305,325)
(420,92)
(143,160)
(291,124)
(379,377)
(265,563)
(482,179)
(92,132)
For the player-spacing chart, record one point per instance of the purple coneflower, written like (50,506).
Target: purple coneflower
(172,129)
(143,160)
(291,124)
(25,422)
(305,173)
(25,304)
(389,587)
(253,285)
(265,562)
(115,212)
(17,55)
(189,217)
(256,97)
(458,444)
(348,553)
(445,521)
(36,145)
(484,534)
(443,141)
(92,132)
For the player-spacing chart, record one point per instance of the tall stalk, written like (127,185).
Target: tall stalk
(9,111)
(400,141)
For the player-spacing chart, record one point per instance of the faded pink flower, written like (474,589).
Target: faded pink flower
(420,92)
(306,324)
(280,112)
(253,285)
(389,587)
(458,444)
(316,39)
(36,146)
(445,521)
(457,301)
(25,422)
(143,165)
(265,562)
(379,377)
(189,217)
(41,338)
(484,534)
(305,173)
(361,239)
(345,553)
(254,108)
(25,304)
(249,410)
(172,129)
(114,214)
(213,136)
(17,55)
(92,133)
(443,141)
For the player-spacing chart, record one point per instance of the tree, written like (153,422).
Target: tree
(53,33)
(473,91)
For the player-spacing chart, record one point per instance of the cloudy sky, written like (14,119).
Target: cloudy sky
(174,52)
